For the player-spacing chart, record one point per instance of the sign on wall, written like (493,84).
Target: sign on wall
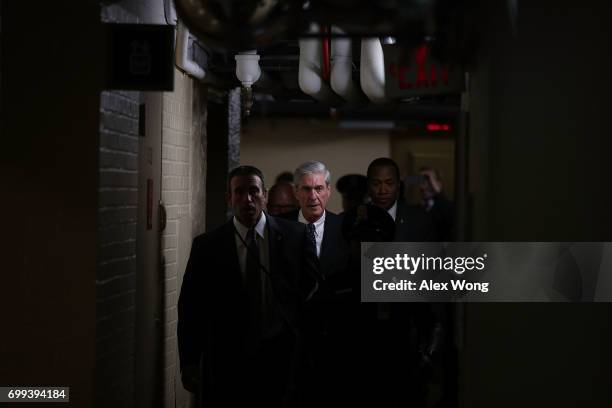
(417,73)
(140,57)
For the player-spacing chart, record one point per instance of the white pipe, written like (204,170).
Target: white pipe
(183,62)
(341,78)
(247,67)
(310,70)
(372,70)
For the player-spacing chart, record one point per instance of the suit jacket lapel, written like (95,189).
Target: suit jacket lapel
(400,219)
(277,276)
(326,243)
(295,215)
(274,240)
(232,253)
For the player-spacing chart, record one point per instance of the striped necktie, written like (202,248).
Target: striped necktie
(312,236)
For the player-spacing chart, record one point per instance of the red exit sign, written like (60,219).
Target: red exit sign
(417,73)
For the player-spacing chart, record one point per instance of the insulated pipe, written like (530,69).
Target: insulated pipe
(342,69)
(183,62)
(326,53)
(310,70)
(372,70)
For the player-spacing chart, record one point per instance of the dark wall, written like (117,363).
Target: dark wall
(539,167)
(548,104)
(51,73)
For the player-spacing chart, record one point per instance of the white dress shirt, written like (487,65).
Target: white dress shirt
(319,229)
(272,320)
(262,244)
(428,204)
(393,211)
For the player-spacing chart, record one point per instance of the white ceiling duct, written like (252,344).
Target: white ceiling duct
(310,74)
(341,78)
(183,61)
(372,70)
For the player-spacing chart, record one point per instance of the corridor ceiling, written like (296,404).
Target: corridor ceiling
(274,27)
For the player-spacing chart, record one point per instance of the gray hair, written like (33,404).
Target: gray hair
(311,167)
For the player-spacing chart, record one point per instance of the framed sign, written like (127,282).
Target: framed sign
(417,73)
(140,57)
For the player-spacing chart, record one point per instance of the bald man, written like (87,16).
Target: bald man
(281,199)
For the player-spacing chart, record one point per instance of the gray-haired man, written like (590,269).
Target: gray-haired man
(312,190)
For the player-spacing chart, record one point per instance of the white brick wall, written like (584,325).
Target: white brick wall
(176,195)
(118,200)
(117,229)
(116,266)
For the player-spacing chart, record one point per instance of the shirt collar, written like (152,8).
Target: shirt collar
(317,223)
(393,211)
(260,227)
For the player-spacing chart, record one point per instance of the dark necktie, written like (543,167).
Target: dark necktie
(253,287)
(312,236)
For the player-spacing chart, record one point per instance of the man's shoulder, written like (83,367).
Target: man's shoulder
(333,216)
(441,201)
(409,210)
(291,215)
(213,236)
(411,217)
(333,220)
(285,223)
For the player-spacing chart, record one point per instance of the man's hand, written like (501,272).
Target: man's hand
(191,378)
(434,182)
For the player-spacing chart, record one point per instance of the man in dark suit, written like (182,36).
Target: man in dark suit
(412,223)
(312,190)
(436,204)
(407,326)
(281,199)
(240,305)
(327,310)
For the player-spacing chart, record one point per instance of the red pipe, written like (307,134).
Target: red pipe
(326,67)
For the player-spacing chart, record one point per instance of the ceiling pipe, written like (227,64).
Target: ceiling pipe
(183,61)
(325,43)
(310,72)
(342,69)
(372,70)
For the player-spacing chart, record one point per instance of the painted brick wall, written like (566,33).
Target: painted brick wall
(176,239)
(118,228)
(116,273)
(117,217)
